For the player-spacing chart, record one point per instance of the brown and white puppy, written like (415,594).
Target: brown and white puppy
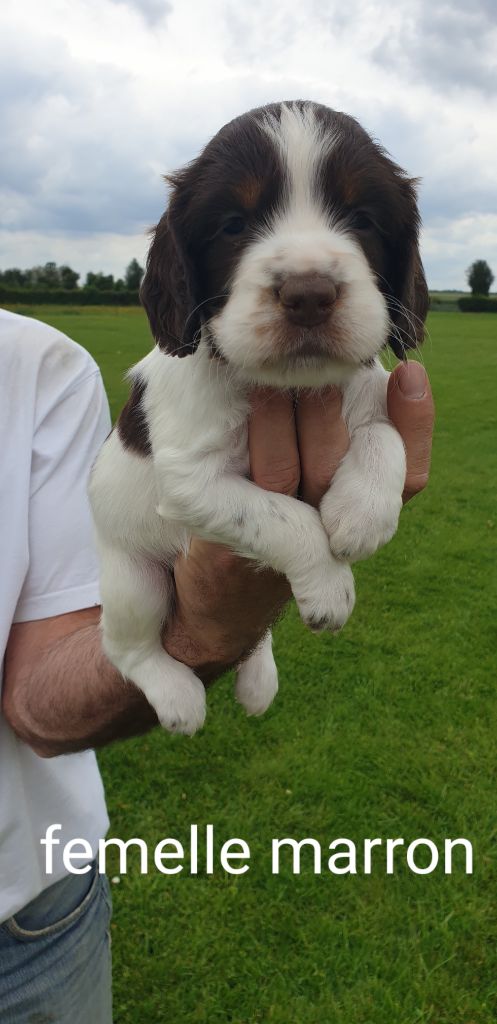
(288,256)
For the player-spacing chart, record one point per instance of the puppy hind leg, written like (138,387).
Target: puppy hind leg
(257,679)
(136,602)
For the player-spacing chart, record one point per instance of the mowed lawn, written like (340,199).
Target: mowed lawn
(387,730)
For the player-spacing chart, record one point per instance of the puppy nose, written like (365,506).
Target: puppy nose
(307,299)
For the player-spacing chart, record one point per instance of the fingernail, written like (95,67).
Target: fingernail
(412,380)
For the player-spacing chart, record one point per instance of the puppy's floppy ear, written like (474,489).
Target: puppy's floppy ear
(167,291)
(410,300)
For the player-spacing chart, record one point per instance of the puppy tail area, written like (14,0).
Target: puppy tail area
(257,679)
(136,601)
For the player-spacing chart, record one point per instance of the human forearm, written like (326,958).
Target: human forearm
(71,698)
(68,697)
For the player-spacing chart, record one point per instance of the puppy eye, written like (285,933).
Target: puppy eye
(234,225)
(361,221)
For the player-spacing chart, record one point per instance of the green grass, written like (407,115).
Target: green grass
(389,729)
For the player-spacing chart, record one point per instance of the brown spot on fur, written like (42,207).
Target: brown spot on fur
(132,425)
(249,192)
(351,193)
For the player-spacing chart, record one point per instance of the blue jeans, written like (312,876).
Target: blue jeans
(55,965)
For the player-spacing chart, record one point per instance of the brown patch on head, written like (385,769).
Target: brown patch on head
(249,192)
(351,192)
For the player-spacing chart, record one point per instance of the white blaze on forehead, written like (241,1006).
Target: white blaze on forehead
(303,143)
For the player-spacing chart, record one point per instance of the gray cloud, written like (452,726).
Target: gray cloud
(453,182)
(78,153)
(450,45)
(257,33)
(153,11)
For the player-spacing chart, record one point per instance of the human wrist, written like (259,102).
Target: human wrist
(222,614)
(209,654)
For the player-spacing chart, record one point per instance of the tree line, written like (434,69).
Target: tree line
(42,281)
(53,277)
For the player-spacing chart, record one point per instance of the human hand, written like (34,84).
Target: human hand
(224,604)
(412,412)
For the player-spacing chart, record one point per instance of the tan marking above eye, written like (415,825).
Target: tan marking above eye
(350,192)
(249,192)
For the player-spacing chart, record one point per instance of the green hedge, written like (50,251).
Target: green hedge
(478,304)
(74,297)
(443,305)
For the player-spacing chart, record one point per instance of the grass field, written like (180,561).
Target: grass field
(388,730)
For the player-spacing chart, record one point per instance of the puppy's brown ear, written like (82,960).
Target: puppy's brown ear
(167,292)
(409,299)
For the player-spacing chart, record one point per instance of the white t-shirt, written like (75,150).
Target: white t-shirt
(54,417)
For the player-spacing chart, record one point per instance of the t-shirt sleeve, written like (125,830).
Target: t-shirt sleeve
(63,570)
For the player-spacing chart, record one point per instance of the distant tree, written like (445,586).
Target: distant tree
(479,277)
(48,275)
(13,277)
(68,278)
(103,282)
(31,277)
(133,275)
(119,285)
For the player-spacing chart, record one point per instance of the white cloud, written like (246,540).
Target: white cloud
(98,98)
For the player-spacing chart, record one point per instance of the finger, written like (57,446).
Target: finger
(411,410)
(273,450)
(323,440)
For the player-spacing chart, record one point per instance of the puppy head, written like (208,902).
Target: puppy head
(293,242)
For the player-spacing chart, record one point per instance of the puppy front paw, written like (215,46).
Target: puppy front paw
(179,701)
(358,524)
(326,598)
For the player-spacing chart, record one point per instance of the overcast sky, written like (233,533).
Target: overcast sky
(99,98)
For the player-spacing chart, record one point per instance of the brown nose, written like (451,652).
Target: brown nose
(307,299)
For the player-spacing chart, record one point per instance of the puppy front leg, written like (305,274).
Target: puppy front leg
(360,512)
(137,597)
(274,529)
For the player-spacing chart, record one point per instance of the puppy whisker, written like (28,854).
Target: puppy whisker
(211,298)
